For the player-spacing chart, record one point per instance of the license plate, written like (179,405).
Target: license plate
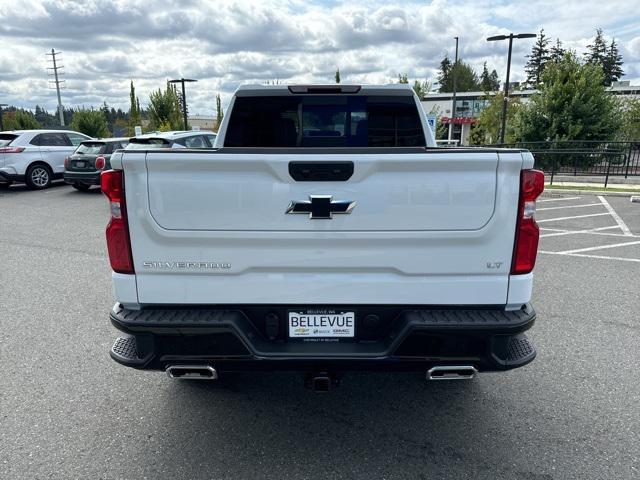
(321,324)
(81,164)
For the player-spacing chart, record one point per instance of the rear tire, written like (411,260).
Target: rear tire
(38,177)
(83,187)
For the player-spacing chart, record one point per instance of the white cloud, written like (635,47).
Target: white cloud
(225,43)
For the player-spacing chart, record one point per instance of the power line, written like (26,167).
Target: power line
(56,75)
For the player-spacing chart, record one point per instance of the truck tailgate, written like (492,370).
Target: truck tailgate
(427,228)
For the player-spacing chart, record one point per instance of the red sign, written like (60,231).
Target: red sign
(458,120)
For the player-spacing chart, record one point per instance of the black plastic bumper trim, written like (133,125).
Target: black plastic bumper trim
(493,329)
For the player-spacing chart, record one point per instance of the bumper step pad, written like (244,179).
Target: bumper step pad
(125,351)
(520,349)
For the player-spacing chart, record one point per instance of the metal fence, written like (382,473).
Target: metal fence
(584,157)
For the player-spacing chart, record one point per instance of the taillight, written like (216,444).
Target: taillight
(100,162)
(11,149)
(67,161)
(118,241)
(527,233)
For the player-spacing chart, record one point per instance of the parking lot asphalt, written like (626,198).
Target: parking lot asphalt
(68,411)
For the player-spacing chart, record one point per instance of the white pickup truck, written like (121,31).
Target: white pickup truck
(325,232)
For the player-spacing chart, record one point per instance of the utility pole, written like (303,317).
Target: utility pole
(505,100)
(455,87)
(57,82)
(184,97)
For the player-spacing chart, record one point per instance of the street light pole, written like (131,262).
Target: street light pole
(455,88)
(505,100)
(184,97)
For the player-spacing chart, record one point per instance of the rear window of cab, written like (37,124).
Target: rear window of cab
(325,121)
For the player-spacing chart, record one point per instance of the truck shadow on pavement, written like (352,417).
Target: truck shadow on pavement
(373,425)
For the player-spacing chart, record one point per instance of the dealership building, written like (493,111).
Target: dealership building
(470,104)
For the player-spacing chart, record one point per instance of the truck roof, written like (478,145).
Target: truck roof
(400,89)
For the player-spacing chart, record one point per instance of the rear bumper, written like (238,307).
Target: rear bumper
(89,178)
(405,339)
(10,177)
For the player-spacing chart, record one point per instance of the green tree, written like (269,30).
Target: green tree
(597,51)
(219,112)
(631,121)
(466,78)
(538,58)
(421,88)
(612,64)
(402,78)
(19,120)
(486,130)
(556,53)
(164,109)
(134,111)
(608,58)
(337,75)
(90,122)
(572,104)
(489,81)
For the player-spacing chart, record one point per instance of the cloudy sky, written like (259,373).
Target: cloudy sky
(224,44)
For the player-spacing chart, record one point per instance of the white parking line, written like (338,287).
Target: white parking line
(616,217)
(558,199)
(591,256)
(558,233)
(570,218)
(569,206)
(601,247)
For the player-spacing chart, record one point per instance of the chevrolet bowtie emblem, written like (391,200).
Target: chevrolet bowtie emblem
(321,206)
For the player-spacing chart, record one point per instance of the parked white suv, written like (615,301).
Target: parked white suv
(35,157)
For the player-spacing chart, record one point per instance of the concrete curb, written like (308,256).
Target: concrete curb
(591,192)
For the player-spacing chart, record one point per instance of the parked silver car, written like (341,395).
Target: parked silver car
(35,157)
(175,139)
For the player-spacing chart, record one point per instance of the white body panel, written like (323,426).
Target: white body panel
(457,254)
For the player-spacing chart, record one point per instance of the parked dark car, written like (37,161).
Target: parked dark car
(82,169)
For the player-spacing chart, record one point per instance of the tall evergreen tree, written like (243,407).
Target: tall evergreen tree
(219,112)
(597,51)
(444,74)
(466,77)
(494,80)
(556,53)
(572,104)
(489,81)
(612,64)
(538,58)
(402,78)
(134,110)
(337,75)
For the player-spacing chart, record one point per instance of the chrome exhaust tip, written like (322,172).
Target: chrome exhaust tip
(192,372)
(452,372)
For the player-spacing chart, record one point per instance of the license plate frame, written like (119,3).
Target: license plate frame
(322,324)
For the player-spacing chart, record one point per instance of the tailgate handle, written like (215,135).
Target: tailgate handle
(320,171)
